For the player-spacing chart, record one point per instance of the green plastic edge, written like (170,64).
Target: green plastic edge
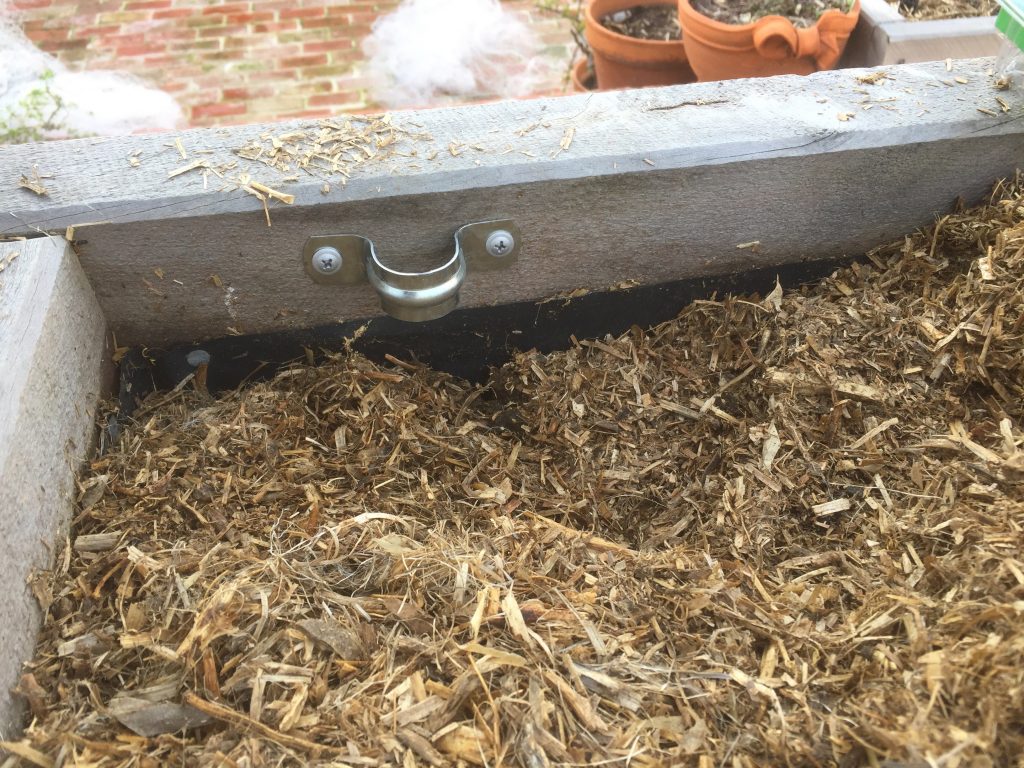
(1010,27)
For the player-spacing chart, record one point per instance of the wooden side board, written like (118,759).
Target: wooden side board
(643,186)
(883,36)
(52,336)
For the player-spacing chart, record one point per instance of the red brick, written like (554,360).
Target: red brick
(139,50)
(221,56)
(235,29)
(219,109)
(205,21)
(346,56)
(301,13)
(142,5)
(193,46)
(329,99)
(121,17)
(163,60)
(366,10)
(325,46)
(353,82)
(309,60)
(212,82)
(273,52)
(276,26)
(47,35)
(31,25)
(326,21)
(227,8)
(330,70)
(276,5)
(106,29)
(115,41)
(173,13)
(172,33)
(248,18)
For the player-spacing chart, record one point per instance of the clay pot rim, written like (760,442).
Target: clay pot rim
(611,36)
(580,69)
(750,25)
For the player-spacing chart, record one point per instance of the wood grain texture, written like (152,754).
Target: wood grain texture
(657,184)
(51,348)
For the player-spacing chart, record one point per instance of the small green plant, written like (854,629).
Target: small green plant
(36,117)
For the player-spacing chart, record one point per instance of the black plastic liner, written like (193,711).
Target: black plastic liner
(466,343)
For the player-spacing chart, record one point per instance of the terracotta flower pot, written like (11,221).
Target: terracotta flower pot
(627,62)
(583,79)
(768,46)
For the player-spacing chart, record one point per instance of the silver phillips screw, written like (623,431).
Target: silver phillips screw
(500,243)
(327,260)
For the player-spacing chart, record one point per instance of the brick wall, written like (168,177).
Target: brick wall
(236,62)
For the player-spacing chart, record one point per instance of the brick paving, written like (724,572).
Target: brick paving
(238,62)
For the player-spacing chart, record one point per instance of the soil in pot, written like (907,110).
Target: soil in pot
(801,13)
(636,44)
(726,39)
(645,22)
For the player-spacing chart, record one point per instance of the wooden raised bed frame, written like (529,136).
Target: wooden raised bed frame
(884,36)
(645,186)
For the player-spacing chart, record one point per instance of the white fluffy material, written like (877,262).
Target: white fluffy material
(431,52)
(95,103)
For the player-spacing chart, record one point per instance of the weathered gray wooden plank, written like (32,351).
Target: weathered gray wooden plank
(911,41)
(884,36)
(657,184)
(51,349)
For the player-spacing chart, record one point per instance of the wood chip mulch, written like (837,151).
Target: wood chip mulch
(775,531)
(921,10)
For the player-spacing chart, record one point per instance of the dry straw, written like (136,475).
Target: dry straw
(779,531)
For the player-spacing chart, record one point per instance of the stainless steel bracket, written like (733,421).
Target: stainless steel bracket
(413,296)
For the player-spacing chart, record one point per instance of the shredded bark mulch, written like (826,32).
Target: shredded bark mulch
(780,530)
(948,9)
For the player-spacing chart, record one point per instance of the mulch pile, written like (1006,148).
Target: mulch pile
(775,531)
(949,9)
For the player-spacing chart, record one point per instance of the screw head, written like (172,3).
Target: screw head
(197,357)
(326,260)
(500,243)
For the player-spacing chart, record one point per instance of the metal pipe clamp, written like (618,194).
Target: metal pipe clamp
(412,296)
